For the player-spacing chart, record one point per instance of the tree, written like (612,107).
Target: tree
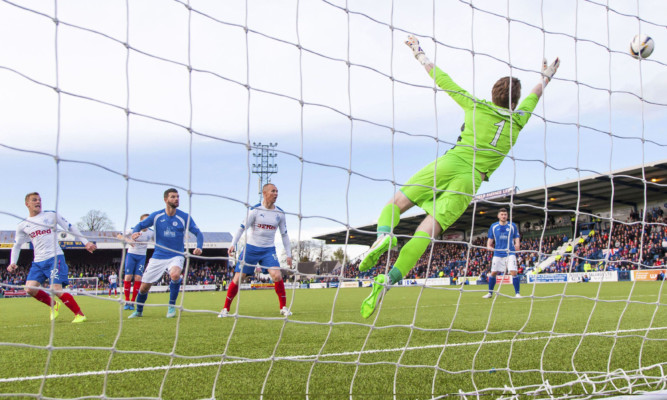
(309,250)
(95,220)
(339,255)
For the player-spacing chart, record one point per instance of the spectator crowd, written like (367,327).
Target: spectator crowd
(629,245)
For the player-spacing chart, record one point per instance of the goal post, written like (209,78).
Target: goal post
(84,286)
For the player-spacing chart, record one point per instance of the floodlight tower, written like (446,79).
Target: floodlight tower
(265,163)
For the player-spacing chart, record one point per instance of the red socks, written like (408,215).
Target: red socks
(126,289)
(231,293)
(234,288)
(280,291)
(137,285)
(69,301)
(44,298)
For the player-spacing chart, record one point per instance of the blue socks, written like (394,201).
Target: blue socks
(516,282)
(141,299)
(492,283)
(174,287)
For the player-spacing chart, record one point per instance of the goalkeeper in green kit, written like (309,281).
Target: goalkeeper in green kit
(490,131)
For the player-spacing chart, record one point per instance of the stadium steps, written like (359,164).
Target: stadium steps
(560,251)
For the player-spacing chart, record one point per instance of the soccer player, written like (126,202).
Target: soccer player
(113,283)
(135,260)
(49,261)
(489,132)
(262,222)
(170,230)
(504,241)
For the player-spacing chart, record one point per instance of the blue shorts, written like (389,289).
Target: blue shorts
(264,256)
(113,285)
(43,270)
(134,264)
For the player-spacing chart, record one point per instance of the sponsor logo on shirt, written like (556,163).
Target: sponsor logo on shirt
(169,233)
(265,226)
(40,232)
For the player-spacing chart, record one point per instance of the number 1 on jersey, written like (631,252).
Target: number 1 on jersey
(500,126)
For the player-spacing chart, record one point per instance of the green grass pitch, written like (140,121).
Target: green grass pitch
(483,350)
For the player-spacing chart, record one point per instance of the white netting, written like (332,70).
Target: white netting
(91,91)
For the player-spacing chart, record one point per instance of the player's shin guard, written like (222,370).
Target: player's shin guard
(141,299)
(174,287)
(231,293)
(389,218)
(492,283)
(126,289)
(135,289)
(69,301)
(516,281)
(44,298)
(280,291)
(412,251)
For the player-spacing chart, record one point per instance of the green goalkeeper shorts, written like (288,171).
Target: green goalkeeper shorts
(453,190)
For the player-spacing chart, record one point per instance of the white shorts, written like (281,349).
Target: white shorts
(157,267)
(498,264)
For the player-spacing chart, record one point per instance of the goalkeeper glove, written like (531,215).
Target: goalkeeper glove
(413,44)
(548,71)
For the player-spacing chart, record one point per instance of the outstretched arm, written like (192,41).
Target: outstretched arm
(442,79)
(413,43)
(90,246)
(548,71)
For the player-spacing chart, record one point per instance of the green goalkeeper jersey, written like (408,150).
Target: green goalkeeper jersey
(490,131)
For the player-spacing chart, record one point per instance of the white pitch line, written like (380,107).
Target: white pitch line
(302,357)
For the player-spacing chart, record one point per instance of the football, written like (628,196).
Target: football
(641,46)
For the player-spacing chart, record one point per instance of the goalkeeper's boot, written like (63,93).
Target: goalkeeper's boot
(79,319)
(135,314)
(369,304)
(381,245)
(285,311)
(488,295)
(54,311)
(171,312)
(224,313)
(518,296)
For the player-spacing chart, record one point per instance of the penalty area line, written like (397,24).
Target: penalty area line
(301,357)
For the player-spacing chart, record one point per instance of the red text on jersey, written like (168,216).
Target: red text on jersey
(39,232)
(265,226)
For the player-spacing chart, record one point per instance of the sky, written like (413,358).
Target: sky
(156,96)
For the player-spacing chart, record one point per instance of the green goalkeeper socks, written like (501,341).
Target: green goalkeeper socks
(389,218)
(410,254)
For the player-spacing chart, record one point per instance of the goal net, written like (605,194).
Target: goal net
(106,105)
(84,286)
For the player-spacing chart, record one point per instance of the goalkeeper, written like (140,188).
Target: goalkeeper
(490,130)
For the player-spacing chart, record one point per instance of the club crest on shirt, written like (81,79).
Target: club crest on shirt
(175,223)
